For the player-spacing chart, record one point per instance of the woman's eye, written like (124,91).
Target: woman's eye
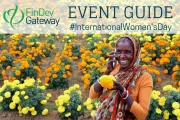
(128,51)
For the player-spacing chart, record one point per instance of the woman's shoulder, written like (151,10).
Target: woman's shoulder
(145,79)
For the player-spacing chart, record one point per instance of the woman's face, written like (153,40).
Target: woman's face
(124,53)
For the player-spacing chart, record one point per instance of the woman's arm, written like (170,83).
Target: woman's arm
(140,107)
(95,90)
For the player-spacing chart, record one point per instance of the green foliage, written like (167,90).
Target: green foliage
(27,71)
(152,115)
(8,61)
(58,82)
(35,96)
(71,102)
(6,101)
(34,40)
(1,72)
(173,61)
(67,38)
(76,50)
(95,75)
(171,96)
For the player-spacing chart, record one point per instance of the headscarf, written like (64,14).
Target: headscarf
(112,106)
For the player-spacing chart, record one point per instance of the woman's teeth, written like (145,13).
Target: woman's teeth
(123,61)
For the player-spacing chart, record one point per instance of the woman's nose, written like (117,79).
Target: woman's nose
(122,55)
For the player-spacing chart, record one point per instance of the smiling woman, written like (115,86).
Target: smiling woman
(129,99)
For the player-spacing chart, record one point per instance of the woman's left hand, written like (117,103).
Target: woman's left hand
(118,86)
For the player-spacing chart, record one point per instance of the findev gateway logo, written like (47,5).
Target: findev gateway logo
(33,16)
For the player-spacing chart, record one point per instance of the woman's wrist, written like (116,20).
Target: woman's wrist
(97,86)
(107,72)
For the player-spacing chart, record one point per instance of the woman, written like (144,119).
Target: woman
(129,99)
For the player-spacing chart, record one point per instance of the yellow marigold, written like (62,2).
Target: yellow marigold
(176,112)
(79,108)
(61,109)
(175,105)
(175,68)
(166,114)
(1,99)
(17,73)
(45,112)
(7,94)
(92,113)
(12,105)
(53,46)
(162,101)
(158,111)
(67,114)
(33,113)
(67,67)
(25,110)
(83,64)
(106,81)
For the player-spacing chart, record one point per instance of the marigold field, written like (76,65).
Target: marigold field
(48,76)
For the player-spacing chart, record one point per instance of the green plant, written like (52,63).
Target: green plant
(58,79)
(70,105)
(6,92)
(173,61)
(25,68)
(6,60)
(165,106)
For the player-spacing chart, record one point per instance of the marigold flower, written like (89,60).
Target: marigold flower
(17,73)
(106,81)
(25,111)
(61,109)
(7,94)
(67,114)
(175,105)
(79,108)
(33,113)
(12,105)
(3,58)
(158,111)
(45,112)
(1,99)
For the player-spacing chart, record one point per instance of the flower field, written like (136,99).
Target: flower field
(48,76)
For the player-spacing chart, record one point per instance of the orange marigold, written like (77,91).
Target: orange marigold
(17,73)
(64,76)
(68,73)
(3,58)
(165,71)
(54,76)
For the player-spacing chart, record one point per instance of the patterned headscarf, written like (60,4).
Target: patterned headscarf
(112,106)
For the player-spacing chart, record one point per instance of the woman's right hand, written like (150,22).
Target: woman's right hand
(111,60)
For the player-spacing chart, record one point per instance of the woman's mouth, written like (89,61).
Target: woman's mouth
(123,62)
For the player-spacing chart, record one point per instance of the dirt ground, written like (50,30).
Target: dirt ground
(75,78)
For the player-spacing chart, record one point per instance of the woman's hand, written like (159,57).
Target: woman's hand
(111,60)
(118,86)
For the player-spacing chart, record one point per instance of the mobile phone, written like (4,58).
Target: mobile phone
(114,58)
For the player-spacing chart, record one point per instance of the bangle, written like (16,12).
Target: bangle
(127,94)
(123,92)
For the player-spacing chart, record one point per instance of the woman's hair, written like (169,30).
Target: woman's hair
(123,39)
